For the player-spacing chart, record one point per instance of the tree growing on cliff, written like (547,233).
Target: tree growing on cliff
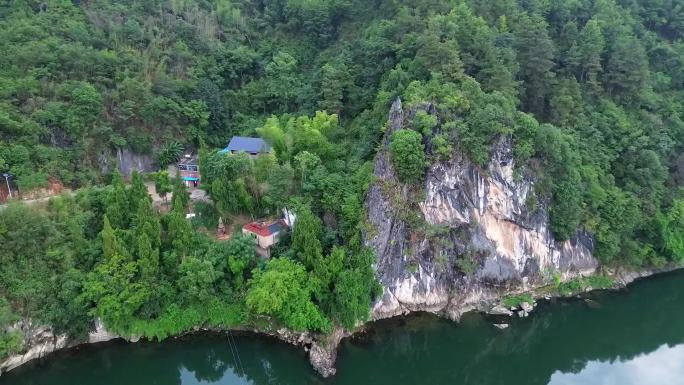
(10,341)
(355,289)
(408,155)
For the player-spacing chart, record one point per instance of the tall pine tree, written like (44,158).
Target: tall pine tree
(180,198)
(118,210)
(110,242)
(535,55)
(138,192)
(306,234)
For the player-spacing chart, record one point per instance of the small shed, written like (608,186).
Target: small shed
(251,146)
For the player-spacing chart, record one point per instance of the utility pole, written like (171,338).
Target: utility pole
(9,189)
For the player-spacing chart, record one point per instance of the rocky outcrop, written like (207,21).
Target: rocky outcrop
(129,161)
(323,354)
(322,350)
(101,334)
(126,160)
(479,236)
(40,341)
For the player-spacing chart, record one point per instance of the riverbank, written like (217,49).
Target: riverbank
(321,352)
(580,340)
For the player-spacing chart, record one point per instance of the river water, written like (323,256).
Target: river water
(634,336)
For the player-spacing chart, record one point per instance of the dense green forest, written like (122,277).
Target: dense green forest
(591,93)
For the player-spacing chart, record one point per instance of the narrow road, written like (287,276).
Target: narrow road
(196,195)
(38,200)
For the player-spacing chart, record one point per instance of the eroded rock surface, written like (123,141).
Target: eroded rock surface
(40,341)
(480,236)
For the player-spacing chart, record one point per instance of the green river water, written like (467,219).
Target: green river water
(634,336)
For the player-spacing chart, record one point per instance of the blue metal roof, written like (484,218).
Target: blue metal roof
(241,143)
(275,227)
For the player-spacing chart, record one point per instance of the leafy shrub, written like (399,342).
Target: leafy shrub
(441,146)
(10,343)
(408,155)
(581,284)
(466,264)
(424,122)
(32,181)
(169,153)
(205,216)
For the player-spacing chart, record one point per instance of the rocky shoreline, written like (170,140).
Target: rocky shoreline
(322,353)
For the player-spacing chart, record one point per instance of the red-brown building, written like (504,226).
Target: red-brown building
(265,233)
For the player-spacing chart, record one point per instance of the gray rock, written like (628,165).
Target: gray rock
(500,310)
(522,314)
(129,161)
(526,307)
(100,333)
(592,304)
(501,326)
(323,354)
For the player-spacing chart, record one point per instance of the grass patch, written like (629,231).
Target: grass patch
(517,300)
(581,284)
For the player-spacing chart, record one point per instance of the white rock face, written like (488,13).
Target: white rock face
(483,216)
(41,341)
(100,334)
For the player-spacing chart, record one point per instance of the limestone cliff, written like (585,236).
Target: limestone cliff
(478,238)
(41,341)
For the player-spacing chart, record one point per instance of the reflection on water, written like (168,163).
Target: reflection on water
(663,366)
(633,337)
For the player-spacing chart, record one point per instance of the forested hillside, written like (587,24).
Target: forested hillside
(591,93)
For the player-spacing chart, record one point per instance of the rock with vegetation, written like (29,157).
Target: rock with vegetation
(462,213)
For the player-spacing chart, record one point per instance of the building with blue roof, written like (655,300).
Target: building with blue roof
(251,146)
